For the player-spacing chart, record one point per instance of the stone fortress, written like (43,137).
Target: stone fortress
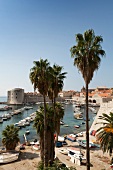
(18,96)
(98,95)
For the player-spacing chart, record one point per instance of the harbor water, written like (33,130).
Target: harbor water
(68,119)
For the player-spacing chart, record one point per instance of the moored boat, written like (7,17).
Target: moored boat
(61,138)
(83,143)
(35,143)
(79,134)
(65,125)
(27,131)
(79,118)
(28,107)
(76,126)
(36,147)
(27,124)
(71,137)
(93,110)
(1,120)
(4,118)
(21,125)
(8,157)
(61,122)
(78,115)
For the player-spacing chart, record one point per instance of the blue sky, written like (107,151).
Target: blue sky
(34,29)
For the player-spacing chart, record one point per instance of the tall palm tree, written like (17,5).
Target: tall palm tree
(39,125)
(86,54)
(39,76)
(105,133)
(59,110)
(56,85)
(10,137)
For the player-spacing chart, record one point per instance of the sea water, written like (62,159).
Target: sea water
(68,119)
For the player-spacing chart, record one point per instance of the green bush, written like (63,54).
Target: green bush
(55,166)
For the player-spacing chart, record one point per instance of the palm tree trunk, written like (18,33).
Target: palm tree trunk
(45,135)
(54,102)
(52,147)
(52,139)
(42,146)
(49,139)
(57,130)
(87,131)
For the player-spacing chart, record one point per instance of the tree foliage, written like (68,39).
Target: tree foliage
(105,133)
(86,54)
(10,137)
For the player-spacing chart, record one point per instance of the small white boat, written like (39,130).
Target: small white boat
(78,115)
(21,125)
(28,119)
(61,122)
(77,109)
(1,120)
(71,137)
(4,118)
(93,110)
(36,147)
(28,107)
(76,126)
(79,118)
(61,138)
(27,123)
(7,157)
(27,131)
(66,103)
(65,125)
(8,115)
(83,143)
(79,134)
(12,113)
(35,143)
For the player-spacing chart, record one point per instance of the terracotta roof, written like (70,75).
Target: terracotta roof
(91,94)
(104,94)
(107,94)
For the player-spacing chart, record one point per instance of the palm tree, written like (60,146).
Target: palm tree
(39,76)
(86,56)
(39,125)
(10,137)
(105,133)
(59,110)
(56,85)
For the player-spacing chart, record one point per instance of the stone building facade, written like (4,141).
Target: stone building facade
(15,96)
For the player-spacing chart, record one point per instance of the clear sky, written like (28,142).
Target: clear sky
(34,29)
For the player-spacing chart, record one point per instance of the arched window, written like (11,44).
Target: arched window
(94,101)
